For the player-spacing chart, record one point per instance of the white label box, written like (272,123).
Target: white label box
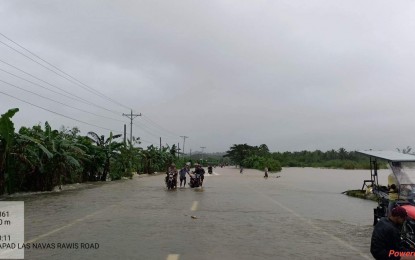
(11,230)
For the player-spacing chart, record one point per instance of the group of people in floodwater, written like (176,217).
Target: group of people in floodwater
(198,172)
(183,172)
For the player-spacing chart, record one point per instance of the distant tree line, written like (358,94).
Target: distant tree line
(339,159)
(259,157)
(40,158)
(208,158)
(255,157)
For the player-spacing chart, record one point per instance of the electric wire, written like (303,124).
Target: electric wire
(40,58)
(82,110)
(147,130)
(149,142)
(68,77)
(137,128)
(154,143)
(71,79)
(41,86)
(161,127)
(69,93)
(77,120)
(145,127)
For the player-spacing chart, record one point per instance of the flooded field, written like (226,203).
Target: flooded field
(300,215)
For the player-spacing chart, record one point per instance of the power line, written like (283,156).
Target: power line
(37,56)
(59,113)
(146,128)
(36,94)
(148,142)
(159,126)
(143,127)
(80,99)
(41,86)
(70,79)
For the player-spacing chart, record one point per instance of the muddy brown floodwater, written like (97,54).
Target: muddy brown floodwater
(300,215)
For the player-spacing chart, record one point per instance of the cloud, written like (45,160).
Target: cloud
(291,74)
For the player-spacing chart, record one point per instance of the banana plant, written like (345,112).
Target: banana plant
(53,156)
(6,141)
(107,149)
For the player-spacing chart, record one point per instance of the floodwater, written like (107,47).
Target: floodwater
(324,187)
(300,215)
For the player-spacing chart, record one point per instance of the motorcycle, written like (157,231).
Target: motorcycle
(170,181)
(195,180)
(210,171)
(408,235)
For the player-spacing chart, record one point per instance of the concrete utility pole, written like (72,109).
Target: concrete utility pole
(184,140)
(125,134)
(131,117)
(202,147)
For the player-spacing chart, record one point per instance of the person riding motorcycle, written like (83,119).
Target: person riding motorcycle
(199,171)
(172,169)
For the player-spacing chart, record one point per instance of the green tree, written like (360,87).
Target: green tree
(106,148)
(239,152)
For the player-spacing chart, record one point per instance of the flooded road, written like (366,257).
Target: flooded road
(301,215)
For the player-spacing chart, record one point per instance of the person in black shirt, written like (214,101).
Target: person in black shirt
(201,172)
(386,235)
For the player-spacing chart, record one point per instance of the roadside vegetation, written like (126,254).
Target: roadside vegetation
(39,158)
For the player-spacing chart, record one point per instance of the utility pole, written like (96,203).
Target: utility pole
(184,140)
(131,116)
(203,147)
(178,150)
(125,134)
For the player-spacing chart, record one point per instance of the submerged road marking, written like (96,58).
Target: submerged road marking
(68,225)
(173,257)
(194,206)
(320,230)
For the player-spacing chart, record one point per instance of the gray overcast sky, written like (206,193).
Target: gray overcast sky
(295,75)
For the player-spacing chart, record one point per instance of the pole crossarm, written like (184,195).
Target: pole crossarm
(131,116)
